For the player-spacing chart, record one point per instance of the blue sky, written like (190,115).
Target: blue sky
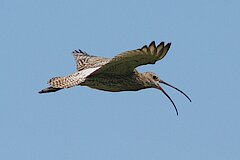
(37,38)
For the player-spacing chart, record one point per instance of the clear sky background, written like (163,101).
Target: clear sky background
(36,40)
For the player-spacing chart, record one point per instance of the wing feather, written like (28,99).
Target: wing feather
(126,62)
(85,61)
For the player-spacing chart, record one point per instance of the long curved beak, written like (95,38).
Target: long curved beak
(160,88)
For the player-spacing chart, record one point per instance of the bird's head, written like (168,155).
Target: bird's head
(153,81)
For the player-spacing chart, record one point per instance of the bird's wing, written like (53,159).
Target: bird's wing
(84,60)
(126,62)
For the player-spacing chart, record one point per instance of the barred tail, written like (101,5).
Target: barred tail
(58,83)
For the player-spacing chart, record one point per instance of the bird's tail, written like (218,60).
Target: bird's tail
(58,83)
(49,89)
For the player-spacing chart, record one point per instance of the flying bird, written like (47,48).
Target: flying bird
(116,74)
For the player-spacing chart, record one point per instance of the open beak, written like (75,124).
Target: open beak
(160,88)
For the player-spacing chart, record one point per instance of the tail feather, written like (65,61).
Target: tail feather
(65,82)
(49,89)
(58,83)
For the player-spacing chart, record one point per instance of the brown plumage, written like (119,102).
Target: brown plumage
(116,74)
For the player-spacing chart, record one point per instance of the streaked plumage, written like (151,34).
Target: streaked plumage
(116,74)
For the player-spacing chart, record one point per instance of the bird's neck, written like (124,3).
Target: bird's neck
(145,81)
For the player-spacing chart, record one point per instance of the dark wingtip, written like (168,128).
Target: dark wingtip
(79,51)
(145,46)
(162,43)
(168,46)
(152,43)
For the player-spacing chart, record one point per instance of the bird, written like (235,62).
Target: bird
(117,74)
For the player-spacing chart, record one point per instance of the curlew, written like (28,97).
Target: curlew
(116,74)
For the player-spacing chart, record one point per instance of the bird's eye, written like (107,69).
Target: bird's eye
(155,77)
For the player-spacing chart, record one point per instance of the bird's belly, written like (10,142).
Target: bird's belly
(113,84)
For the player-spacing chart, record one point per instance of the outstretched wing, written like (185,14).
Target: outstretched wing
(84,60)
(126,62)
